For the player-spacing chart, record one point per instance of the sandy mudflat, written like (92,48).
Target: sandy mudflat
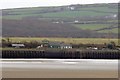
(47,73)
(60,69)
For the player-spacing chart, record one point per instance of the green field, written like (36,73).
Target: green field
(74,14)
(64,14)
(66,40)
(101,9)
(91,26)
(97,27)
(115,30)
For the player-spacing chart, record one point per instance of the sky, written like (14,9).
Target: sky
(5,4)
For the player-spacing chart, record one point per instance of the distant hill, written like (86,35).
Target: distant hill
(36,28)
(90,20)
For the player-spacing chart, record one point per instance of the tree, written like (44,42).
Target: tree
(111,45)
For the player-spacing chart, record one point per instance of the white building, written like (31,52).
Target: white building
(18,45)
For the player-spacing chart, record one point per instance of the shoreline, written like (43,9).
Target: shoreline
(47,73)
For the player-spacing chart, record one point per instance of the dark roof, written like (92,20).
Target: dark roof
(66,45)
(59,44)
(54,43)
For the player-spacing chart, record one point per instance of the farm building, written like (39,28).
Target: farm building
(66,46)
(18,45)
(45,43)
(55,44)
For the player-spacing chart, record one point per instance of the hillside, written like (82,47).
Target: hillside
(70,11)
(91,20)
(37,28)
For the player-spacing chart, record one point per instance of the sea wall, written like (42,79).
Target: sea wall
(84,54)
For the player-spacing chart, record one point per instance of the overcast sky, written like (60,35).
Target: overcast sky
(34,3)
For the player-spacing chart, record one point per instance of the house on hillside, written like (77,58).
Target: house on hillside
(71,7)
